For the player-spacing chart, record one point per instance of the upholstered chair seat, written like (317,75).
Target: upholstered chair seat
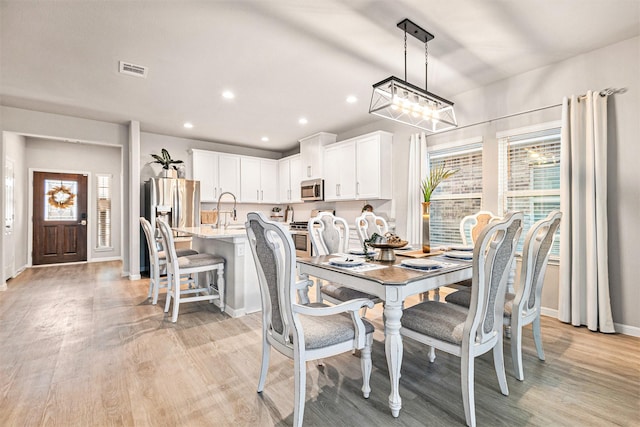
(523,307)
(301,332)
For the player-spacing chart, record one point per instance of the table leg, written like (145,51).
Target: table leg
(393,351)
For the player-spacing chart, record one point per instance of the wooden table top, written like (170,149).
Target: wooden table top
(394,274)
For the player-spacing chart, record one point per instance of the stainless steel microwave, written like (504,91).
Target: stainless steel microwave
(312,190)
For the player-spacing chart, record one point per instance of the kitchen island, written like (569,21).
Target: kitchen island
(242,294)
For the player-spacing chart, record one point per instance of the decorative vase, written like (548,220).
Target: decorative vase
(426,240)
(169,173)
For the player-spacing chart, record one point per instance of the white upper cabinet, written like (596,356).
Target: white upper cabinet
(289,177)
(259,180)
(359,168)
(374,166)
(217,173)
(340,171)
(312,154)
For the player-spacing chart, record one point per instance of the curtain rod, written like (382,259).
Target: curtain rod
(604,92)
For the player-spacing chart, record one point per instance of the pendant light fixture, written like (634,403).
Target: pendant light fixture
(403,102)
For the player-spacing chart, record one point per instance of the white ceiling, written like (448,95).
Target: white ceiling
(283,58)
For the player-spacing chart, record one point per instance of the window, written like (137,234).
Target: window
(459,195)
(104,212)
(530,177)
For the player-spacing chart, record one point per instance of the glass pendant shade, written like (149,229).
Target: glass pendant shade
(399,100)
(403,102)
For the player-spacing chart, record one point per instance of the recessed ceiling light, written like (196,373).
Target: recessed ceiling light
(351,99)
(188,125)
(303,121)
(228,94)
(265,139)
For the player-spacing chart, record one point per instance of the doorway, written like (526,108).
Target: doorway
(59,218)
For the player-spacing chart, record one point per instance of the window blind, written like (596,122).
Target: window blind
(457,196)
(104,211)
(531,177)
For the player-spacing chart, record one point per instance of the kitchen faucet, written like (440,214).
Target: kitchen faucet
(233,213)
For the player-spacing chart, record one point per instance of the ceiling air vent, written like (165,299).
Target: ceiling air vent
(133,69)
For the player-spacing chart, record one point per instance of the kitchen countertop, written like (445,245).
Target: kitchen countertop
(208,232)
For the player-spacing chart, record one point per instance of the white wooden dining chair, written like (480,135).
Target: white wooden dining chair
(329,234)
(301,332)
(469,333)
(472,225)
(158,259)
(190,265)
(523,307)
(369,223)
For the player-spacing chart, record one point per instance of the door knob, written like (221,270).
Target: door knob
(83,222)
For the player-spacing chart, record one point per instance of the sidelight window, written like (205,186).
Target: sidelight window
(104,211)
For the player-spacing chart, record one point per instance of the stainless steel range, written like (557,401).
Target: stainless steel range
(300,234)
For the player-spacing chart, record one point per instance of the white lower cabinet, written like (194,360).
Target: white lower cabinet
(259,180)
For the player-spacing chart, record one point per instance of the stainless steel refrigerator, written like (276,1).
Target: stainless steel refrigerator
(175,199)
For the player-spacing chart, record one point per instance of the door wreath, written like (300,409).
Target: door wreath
(61,197)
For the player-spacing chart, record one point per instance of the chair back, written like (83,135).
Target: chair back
(169,246)
(535,256)
(274,254)
(369,223)
(150,236)
(329,234)
(492,255)
(472,225)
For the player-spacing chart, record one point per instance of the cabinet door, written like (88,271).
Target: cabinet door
(228,174)
(368,167)
(295,176)
(268,181)
(205,170)
(284,182)
(331,172)
(347,188)
(250,183)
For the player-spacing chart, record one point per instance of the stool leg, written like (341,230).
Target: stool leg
(176,300)
(170,286)
(221,285)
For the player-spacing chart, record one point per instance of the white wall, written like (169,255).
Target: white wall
(51,155)
(15,150)
(56,126)
(618,66)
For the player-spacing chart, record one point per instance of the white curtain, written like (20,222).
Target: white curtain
(584,274)
(417,150)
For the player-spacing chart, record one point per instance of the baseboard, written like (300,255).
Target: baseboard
(112,258)
(619,327)
(135,277)
(627,330)
(231,311)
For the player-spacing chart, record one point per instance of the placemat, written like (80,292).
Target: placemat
(359,268)
(418,253)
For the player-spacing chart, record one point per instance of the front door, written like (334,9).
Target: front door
(59,218)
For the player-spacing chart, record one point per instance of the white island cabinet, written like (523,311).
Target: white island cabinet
(242,292)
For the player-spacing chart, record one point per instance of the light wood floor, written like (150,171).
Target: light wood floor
(80,346)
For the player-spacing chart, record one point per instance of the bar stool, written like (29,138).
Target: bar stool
(158,260)
(187,265)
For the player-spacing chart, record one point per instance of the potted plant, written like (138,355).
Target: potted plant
(428,186)
(168,164)
(277,214)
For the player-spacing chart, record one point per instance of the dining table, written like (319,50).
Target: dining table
(393,283)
